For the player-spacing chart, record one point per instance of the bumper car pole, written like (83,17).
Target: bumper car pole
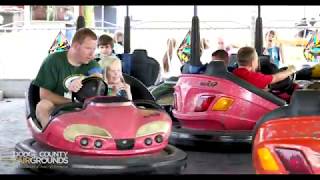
(258,39)
(127,32)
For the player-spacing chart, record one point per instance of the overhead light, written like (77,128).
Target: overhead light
(313,21)
(303,22)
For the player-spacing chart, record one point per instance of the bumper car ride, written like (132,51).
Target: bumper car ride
(101,135)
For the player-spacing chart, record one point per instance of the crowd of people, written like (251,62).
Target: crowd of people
(171,64)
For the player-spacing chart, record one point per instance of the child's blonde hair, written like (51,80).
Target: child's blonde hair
(111,61)
(106,60)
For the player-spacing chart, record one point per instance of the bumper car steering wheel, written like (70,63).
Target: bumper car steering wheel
(92,86)
(284,86)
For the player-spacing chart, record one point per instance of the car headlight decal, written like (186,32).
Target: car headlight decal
(74,130)
(153,127)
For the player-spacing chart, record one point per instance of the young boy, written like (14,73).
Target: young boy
(222,55)
(248,64)
(105,46)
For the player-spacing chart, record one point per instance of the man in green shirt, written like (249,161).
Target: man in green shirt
(61,73)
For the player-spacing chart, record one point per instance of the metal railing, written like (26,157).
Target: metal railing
(291,27)
(175,25)
(20,25)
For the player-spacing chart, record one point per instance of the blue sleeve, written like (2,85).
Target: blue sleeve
(95,70)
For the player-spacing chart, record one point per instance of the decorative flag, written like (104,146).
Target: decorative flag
(184,50)
(312,49)
(60,43)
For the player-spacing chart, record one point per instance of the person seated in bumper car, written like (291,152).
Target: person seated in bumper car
(61,73)
(222,55)
(248,64)
(113,77)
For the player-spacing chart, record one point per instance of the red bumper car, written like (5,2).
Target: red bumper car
(102,135)
(286,140)
(218,106)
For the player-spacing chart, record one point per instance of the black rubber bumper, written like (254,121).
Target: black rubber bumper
(189,137)
(170,161)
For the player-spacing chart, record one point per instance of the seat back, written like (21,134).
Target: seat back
(187,68)
(265,65)
(126,62)
(144,68)
(218,69)
(303,103)
(138,89)
(233,60)
(32,99)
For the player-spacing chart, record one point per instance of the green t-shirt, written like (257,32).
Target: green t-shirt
(56,73)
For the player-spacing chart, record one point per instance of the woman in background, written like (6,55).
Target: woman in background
(171,62)
(273,48)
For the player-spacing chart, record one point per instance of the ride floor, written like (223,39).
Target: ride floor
(213,158)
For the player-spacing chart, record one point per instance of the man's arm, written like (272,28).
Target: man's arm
(54,98)
(282,75)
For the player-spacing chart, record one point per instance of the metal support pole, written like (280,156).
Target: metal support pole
(102,16)
(127,10)
(81,11)
(127,32)
(258,35)
(195,40)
